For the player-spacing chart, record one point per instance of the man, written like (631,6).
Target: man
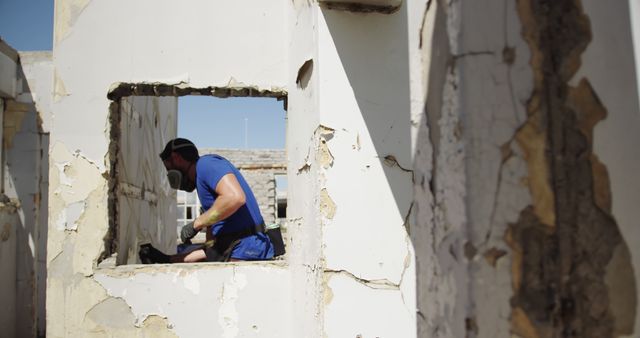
(232,217)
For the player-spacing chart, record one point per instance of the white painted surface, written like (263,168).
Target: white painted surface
(199,43)
(38,73)
(358,310)
(146,125)
(213,300)
(366,237)
(304,232)
(364,86)
(610,67)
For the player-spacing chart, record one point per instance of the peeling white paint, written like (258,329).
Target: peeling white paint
(228,316)
(64,179)
(68,217)
(237,297)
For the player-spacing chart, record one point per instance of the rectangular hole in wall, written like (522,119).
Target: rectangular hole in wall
(243,125)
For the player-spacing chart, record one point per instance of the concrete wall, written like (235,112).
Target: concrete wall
(24,187)
(349,166)
(146,205)
(365,187)
(195,44)
(25,190)
(521,229)
(9,63)
(437,161)
(304,232)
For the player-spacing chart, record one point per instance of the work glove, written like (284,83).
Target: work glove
(187,233)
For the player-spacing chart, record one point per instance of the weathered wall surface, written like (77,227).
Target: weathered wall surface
(30,162)
(259,167)
(146,204)
(214,300)
(304,232)
(25,163)
(193,44)
(364,139)
(8,252)
(8,71)
(609,67)
(521,229)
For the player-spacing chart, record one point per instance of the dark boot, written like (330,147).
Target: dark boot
(150,255)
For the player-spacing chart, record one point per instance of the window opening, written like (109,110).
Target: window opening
(144,117)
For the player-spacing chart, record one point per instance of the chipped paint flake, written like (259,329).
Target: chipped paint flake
(327,205)
(324,154)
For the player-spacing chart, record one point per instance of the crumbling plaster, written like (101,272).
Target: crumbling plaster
(364,139)
(217,300)
(502,169)
(370,123)
(180,43)
(607,61)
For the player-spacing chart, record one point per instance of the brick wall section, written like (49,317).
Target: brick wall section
(259,167)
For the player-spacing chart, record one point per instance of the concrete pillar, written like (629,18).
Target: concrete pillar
(525,170)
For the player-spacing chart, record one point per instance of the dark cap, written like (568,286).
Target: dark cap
(182,146)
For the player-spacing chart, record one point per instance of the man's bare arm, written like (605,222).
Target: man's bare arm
(230,198)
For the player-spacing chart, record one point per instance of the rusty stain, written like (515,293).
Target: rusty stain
(562,244)
(521,325)
(532,140)
(493,255)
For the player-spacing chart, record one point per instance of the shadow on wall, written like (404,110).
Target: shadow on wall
(373,50)
(26,179)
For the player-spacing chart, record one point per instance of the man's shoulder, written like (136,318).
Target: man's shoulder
(211,158)
(212,161)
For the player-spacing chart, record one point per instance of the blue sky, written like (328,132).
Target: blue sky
(209,122)
(221,123)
